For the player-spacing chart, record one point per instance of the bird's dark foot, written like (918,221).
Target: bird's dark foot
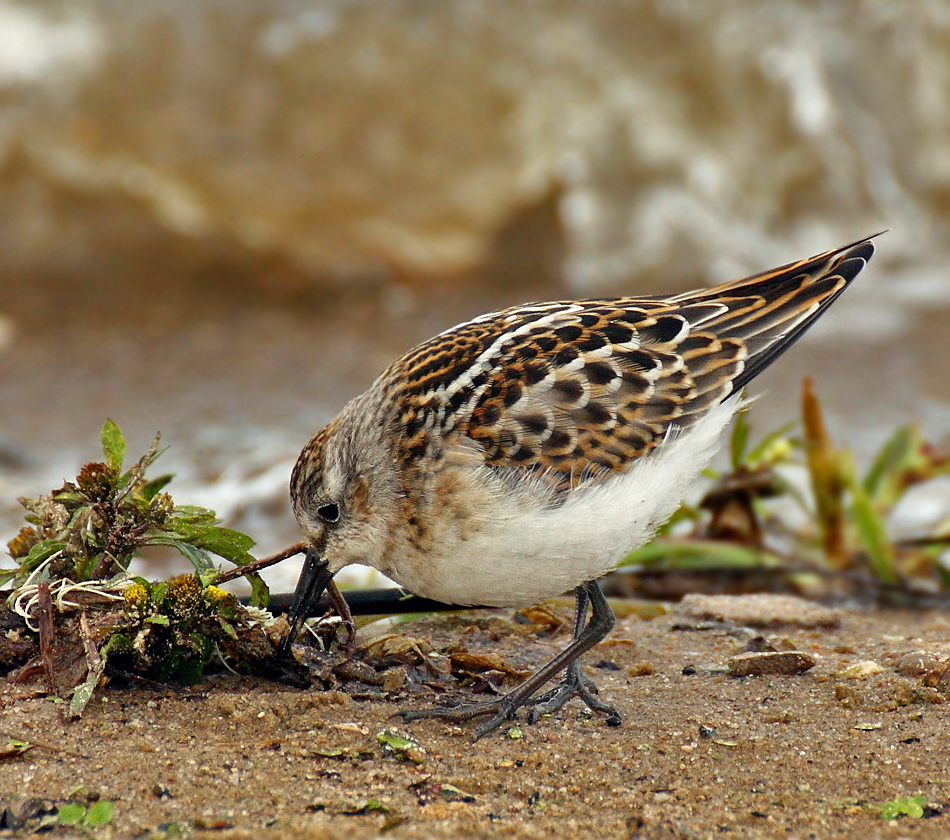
(499,709)
(573,684)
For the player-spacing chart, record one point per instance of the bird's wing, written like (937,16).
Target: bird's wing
(576,390)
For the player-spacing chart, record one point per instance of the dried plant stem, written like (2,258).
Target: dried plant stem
(263,563)
(342,609)
(47,624)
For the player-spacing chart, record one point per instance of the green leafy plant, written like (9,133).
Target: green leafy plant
(904,806)
(71,582)
(91,529)
(845,514)
(15,748)
(174,628)
(78,815)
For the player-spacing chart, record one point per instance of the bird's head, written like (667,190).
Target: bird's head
(344,490)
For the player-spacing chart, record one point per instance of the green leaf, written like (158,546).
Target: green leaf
(366,806)
(99,813)
(739,439)
(825,469)
(227,543)
(71,813)
(199,558)
(870,526)
(158,618)
(260,593)
(16,747)
(193,515)
(65,496)
(898,455)
(40,552)
(113,445)
(85,566)
(227,629)
(158,591)
(910,806)
(83,692)
(757,453)
(152,488)
(118,643)
(397,742)
(698,554)
(406,749)
(194,532)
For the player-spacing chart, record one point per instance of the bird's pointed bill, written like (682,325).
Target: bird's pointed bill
(314,578)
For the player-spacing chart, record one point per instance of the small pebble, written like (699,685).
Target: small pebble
(920,663)
(769,663)
(860,670)
(642,669)
(394,679)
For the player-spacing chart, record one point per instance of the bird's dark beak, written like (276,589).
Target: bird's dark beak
(314,578)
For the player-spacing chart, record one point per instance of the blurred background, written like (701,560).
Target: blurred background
(221,220)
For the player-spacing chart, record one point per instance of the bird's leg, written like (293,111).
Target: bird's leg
(580,619)
(574,683)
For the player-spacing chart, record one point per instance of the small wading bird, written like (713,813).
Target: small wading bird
(524,453)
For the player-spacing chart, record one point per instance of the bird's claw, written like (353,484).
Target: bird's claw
(501,709)
(573,684)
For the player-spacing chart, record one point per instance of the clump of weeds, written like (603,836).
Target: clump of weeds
(78,616)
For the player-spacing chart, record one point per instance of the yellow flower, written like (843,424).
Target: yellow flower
(215,594)
(136,596)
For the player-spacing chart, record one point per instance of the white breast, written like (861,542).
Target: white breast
(515,552)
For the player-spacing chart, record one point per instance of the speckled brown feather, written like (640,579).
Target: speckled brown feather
(575,390)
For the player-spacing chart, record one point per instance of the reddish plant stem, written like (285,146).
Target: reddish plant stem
(46,615)
(263,563)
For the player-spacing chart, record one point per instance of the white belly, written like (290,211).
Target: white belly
(515,553)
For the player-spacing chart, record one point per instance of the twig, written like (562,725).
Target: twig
(263,563)
(93,659)
(371,602)
(343,610)
(47,624)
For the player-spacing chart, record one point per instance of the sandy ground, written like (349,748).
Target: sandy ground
(699,753)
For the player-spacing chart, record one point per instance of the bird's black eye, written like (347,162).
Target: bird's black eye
(329,512)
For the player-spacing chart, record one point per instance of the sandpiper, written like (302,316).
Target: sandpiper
(524,453)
